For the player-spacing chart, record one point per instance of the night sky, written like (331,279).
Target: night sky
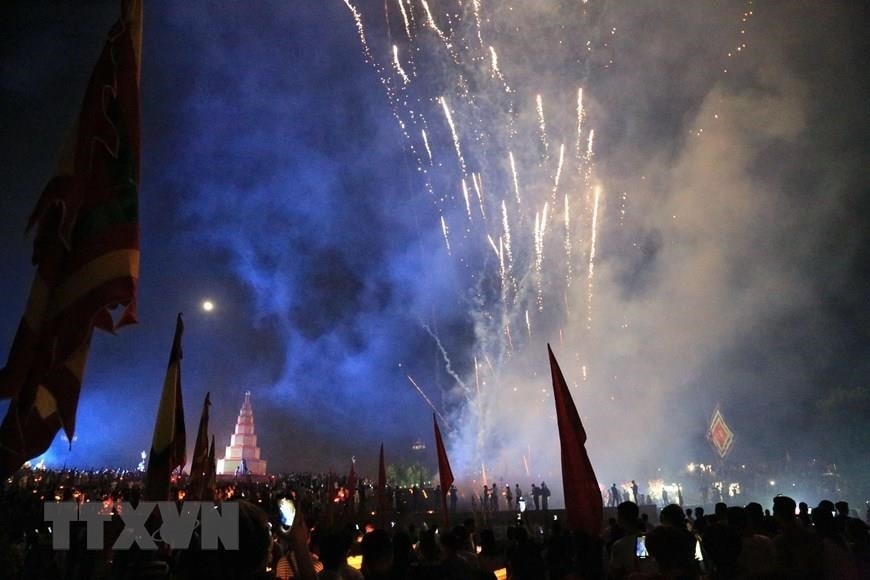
(277,183)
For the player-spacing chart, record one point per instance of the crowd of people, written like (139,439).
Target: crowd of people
(336,537)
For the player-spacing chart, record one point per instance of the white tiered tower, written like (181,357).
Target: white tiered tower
(243,456)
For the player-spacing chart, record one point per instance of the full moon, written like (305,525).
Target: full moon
(207,305)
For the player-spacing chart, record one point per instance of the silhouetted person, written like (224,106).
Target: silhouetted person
(454,497)
(545,496)
(674,551)
(334,549)
(508,496)
(377,553)
(842,515)
(756,551)
(672,515)
(536,496)
(665,499)
(490,557)
(524,557)
(804,514)
(798,551)
(494,494)
(838,562)
(623,558)
(722,545)
(614,496)
(634,489)
(721,511)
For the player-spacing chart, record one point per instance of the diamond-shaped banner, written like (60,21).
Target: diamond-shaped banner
(720,434)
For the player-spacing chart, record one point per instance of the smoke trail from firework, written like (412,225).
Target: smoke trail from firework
(528,324)
(507,235)
(539,260)
(569,273)
(542,124)
(430,20)
(401,4)
(478,188)
(475,6)
(426,144)
(467,200)
(558,173)
(587,175)
(453,133)
(515,176)
(499,253)
(502,271)
(580,115)
(592,246)
(492,245)
(428,402)
(496,71)
(448,365)
(445,231)
(357,18)
(398,66)
(477,375)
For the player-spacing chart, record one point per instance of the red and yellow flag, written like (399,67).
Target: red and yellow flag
(86,253)
(168,446)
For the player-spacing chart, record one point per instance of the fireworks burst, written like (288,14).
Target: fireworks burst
(459,76)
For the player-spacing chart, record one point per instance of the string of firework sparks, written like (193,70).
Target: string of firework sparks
(512,220)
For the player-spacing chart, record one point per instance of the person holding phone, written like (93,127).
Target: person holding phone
(629,554)
(292,533)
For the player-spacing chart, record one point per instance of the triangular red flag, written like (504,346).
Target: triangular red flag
(583,504)
(445,474)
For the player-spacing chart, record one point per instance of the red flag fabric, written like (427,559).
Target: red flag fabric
(199,467)
(168,446)
(86,253)
(583,504)
(444,472)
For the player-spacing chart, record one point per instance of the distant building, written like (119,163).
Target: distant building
(242,455)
